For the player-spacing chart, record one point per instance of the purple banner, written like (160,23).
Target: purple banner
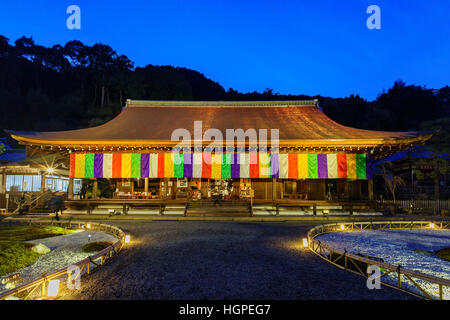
(322,166)
(235,168)
(187,161)
(368,167)
(274,165)
(98,165)
(145,169)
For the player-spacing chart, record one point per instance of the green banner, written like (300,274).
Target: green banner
(89,165)
(178,163)
(313,170)
(361,166)
(135,165)
(226,166)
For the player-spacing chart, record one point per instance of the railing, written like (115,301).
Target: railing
(86,265)
(33,203)
(415,283)
(418,205)
(407,190)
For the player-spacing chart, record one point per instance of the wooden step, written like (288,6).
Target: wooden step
(209,208)
(218,214)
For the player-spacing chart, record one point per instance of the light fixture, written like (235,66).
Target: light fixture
(127,238)
(326,211)
(305,243)
(88,225)
(50,170)
(53,288)
(342,227)
(432,225)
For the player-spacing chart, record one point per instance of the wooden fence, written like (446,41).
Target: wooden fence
(419,206)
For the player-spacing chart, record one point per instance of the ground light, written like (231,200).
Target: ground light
(53,288)
(127,238)
(305,243)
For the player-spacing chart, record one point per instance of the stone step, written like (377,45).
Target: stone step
(218,214)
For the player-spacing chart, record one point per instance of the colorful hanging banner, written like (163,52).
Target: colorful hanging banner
(221,166)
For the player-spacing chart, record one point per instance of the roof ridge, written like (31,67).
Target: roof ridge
(193,103)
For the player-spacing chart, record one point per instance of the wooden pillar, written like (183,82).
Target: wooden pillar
(325,188)
(165,188)
(43,182)
(294,189)
(146,185)
(370,188)
(359,190)
(3,189)
(347,190)
(265,191)
(94,189)
(274,189)
(70,191)
(207,189)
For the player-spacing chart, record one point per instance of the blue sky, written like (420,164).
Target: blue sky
(298,47)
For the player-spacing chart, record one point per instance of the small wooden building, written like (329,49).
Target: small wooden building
(32,176)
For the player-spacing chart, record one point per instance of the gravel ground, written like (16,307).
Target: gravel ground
(221,260)
(397,247)
(66,249)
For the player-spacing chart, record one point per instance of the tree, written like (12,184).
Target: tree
(5,48)
(418,102)
(77,85)
(392,182)
(438,148)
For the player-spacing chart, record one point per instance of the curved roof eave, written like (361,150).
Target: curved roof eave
(150,123)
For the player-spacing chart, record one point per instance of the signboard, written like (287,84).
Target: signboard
(182,183)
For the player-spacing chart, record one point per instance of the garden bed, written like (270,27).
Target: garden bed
(66,249)
(421,250)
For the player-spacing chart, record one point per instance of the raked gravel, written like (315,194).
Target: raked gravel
(398,247)
(66,250)
(221,260)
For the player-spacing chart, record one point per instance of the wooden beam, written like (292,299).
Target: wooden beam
(370,188)
(70,192)
(94,189)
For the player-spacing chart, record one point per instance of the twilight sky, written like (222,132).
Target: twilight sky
(293,46)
